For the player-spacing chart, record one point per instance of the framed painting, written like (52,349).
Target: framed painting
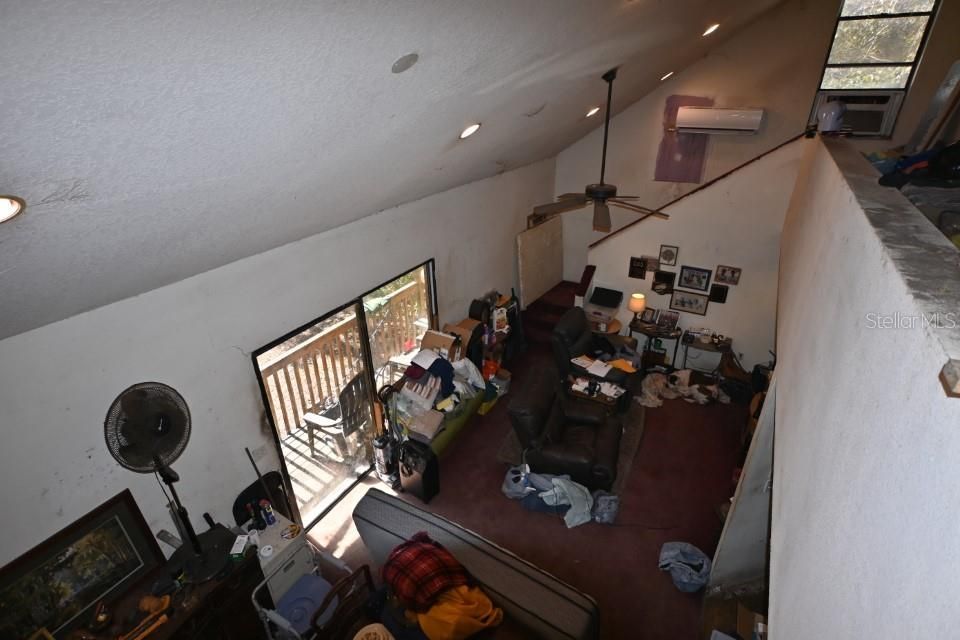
(728,275)
(668,255)
(56,585)
(689,302)
(694,278)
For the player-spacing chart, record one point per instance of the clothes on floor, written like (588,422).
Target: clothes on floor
(566,491)
(689,567)
(534,502)
(605,507)
(420,569)
(658,386)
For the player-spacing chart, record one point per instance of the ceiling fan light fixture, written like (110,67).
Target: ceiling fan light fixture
(666,75)
(10,208)
(711,29)
(593,111)
(469,131)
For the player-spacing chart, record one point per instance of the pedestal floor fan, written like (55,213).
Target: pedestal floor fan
(146,429)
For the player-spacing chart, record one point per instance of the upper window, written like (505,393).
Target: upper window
(877,44)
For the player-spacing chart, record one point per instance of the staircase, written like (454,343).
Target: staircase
(542,314)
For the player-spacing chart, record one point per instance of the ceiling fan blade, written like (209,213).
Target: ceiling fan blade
(562,206)
(571,196)
(601,217)
(634,207)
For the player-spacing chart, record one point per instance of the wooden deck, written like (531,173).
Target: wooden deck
(319,478)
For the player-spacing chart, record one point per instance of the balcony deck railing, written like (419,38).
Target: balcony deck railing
(308,377)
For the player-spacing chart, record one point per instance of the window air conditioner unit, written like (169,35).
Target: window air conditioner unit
(869,113)
(723,121)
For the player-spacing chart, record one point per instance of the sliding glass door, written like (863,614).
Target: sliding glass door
(318,384)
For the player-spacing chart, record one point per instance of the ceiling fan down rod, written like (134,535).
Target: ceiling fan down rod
(609,76)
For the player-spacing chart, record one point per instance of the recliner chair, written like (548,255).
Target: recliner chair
(560,435)
(573,337)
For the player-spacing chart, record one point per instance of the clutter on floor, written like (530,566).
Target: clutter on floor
(559,495)
(689,567)
(657,387)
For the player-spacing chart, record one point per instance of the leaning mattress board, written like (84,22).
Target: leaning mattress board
(532,597)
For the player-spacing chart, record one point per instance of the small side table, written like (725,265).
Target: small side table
(652,331)
(613,328)
(711,347)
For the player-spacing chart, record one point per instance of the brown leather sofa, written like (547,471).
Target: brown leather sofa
(561,435)
(572,337)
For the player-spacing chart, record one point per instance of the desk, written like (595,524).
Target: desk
(710,347)
(652,331)
(219,609)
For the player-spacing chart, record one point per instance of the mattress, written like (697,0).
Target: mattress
(531,597)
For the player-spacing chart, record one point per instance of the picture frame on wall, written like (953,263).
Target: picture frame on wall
(668,255)
(718,293)
(663,282)
(56,584)
(694,278)
(668,320)
(689,302)
(727,275)
(638,268)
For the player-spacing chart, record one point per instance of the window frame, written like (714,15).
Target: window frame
(357,303)
(904,92)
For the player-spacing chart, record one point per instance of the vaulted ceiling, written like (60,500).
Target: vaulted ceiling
(156,140)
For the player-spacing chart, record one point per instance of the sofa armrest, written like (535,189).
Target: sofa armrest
(583,411)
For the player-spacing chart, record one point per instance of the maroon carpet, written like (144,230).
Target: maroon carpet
(681,473)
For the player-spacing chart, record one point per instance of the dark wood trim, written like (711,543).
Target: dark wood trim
(699,188)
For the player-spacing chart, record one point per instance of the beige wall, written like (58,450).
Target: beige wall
(864,538)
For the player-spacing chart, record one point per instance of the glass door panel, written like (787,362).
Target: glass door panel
(318,394)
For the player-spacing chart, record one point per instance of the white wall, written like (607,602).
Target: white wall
(736,222)
(865,491)
(774,62)
(57,382)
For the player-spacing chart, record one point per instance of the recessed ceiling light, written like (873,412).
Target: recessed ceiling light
(593,111)
(711,29)
(404,62)
(10,207)
(469,131)
(666,75)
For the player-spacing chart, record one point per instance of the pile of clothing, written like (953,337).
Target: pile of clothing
(657,387)
(559,495)
(431,596)
(434,386)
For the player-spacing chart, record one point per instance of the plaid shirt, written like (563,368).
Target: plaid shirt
(420,569)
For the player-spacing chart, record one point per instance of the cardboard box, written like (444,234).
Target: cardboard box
(463,330)
(442,343)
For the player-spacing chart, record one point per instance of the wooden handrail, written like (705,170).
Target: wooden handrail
(698,188)
(303,379)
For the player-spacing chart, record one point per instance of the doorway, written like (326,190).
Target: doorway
(318,384)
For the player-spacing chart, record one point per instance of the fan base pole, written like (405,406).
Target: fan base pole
(214,558)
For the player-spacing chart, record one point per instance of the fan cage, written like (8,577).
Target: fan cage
(113,425)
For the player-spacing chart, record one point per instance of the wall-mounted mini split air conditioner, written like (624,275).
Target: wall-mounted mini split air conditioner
(718,121)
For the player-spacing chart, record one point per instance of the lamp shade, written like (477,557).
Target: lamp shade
(638,302)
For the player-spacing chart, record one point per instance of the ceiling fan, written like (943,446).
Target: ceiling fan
(602,195)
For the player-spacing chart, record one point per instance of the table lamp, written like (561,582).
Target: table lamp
(638,302)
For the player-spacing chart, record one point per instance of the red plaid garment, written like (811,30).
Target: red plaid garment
(420,569)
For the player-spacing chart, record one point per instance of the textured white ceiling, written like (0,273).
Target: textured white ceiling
(156,140)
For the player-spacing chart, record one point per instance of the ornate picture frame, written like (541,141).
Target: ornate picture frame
(55,585)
